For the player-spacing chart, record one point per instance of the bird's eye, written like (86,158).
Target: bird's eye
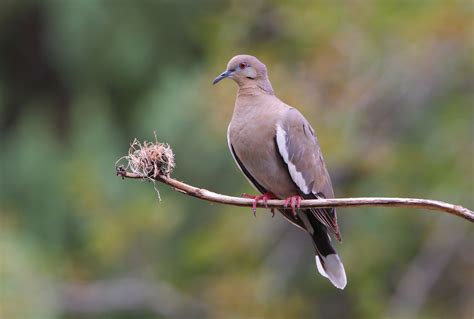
(242,65)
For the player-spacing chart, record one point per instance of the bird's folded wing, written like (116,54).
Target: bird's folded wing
(285,212)
(299,149)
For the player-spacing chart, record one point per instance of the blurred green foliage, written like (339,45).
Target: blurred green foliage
(386,84)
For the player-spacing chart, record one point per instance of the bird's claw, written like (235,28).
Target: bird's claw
(265,197)
(294,202)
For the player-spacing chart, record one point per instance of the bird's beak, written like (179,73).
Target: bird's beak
(224,75)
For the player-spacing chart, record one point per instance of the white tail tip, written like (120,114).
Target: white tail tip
(332,268)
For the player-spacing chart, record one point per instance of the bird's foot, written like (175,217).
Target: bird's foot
(265,197)
(294,202)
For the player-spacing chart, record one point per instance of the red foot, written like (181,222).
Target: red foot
(265,197)
(293,201)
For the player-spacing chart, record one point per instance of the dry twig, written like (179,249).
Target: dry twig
(146,162)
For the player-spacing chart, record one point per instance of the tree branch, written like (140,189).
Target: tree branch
(207,195)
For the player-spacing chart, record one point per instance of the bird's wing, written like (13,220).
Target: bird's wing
(285,212)
(299,149)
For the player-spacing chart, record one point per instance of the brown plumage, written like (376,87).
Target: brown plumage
(277,150)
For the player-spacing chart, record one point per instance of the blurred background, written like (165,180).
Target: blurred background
(387,85)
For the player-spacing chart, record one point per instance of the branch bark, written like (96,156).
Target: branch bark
(207,195)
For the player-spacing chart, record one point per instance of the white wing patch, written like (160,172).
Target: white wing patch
(296,176)
(281,141)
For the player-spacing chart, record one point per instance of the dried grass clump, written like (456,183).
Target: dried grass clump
(149,159)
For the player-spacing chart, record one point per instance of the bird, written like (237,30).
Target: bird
(278,152)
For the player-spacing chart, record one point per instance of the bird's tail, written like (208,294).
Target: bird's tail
(327,260)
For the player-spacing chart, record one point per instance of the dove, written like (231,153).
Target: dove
(277,150)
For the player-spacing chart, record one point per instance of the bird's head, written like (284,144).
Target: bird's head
(246,71)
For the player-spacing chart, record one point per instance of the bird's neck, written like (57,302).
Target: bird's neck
(256,87)
(253,101)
